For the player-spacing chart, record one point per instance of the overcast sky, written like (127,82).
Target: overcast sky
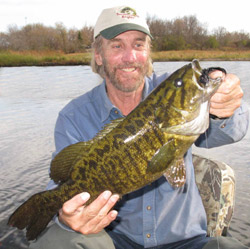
(234,16)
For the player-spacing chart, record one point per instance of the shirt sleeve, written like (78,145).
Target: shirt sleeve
(65,134)
(225,131)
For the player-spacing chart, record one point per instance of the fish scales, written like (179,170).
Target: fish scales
(112,172)
(131,152)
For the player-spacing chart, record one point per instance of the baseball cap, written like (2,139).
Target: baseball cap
(114,21)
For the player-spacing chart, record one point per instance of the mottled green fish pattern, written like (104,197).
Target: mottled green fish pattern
(131,152)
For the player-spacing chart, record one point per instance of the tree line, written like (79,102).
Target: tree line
(177,34)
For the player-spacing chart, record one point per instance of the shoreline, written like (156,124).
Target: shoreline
(57,58)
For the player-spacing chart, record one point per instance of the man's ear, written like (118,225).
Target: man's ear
(98,59)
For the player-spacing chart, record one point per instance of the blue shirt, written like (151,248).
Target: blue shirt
(156,214)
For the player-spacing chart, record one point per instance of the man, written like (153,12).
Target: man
(156,216)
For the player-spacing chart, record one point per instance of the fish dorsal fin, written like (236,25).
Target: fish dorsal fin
(108,127)
(62,163)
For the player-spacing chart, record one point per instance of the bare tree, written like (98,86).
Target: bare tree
(177,34)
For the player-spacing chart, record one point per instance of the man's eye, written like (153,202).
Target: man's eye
(138,45)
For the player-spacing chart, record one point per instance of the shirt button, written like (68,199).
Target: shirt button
(116,112)
(148,207)
(148,235)
(223,126)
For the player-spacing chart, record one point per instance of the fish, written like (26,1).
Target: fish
(130,152)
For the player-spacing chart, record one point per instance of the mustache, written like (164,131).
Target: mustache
(126,65)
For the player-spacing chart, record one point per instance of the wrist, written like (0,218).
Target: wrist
(60,222)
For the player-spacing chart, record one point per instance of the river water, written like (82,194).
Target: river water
(30,99)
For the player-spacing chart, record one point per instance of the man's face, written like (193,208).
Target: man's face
(125,60)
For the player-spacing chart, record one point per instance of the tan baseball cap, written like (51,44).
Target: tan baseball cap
(114,21)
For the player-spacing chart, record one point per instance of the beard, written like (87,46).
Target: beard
(117,82)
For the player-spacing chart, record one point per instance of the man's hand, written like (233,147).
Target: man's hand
(228,96)
(92,218)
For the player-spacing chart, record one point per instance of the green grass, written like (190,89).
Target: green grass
(188,55)
(7,59)
(52,58)
(31,58)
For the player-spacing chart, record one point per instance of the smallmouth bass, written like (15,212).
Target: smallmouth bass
(131,152)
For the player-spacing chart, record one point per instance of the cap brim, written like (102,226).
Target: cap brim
(116,30)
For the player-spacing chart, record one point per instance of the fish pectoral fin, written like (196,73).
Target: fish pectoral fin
(176,174)
(164,161)
(61,165)
(162,158)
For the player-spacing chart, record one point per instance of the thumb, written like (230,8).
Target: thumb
(71,206)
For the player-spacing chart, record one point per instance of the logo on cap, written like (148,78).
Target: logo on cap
(127,13)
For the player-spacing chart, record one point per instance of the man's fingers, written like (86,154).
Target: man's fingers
(217,74)
(227,98)
(95,225)
(95,219)
(106,208)
(71,206)
(106,220)
(103,218)
(91,218)
(222,99)
(101,207)
(229,83)
(94,208)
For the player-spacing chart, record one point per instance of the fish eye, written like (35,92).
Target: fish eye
(178,82)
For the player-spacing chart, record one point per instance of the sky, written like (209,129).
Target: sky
(234,16)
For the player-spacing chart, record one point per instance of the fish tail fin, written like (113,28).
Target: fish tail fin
(35,213)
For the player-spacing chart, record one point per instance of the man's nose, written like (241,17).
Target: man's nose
(129,55)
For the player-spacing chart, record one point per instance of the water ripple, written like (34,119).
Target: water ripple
(30,99)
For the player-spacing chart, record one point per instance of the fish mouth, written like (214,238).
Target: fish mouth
(194,127)
(194,120)
(208,84)
(205,78)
